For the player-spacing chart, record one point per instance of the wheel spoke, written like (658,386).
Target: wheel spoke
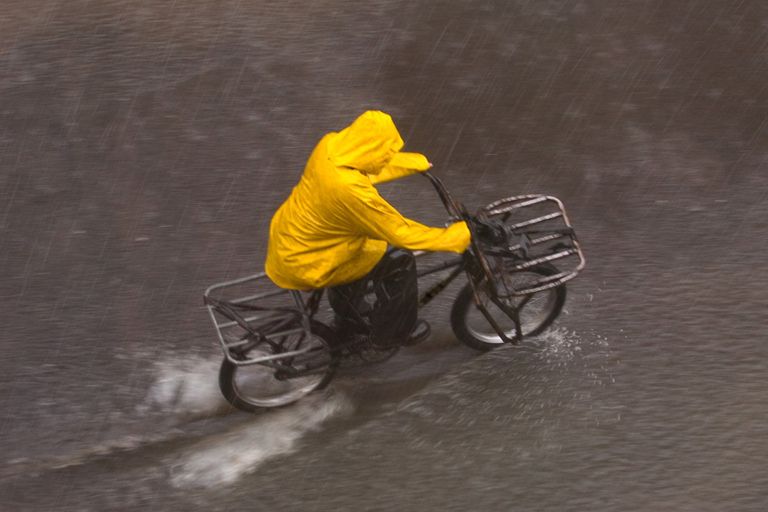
(260,385)
(536,311)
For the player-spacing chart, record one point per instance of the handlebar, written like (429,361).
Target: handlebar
(454,208)
(458,210)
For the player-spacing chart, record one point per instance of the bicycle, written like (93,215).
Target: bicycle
(277,350)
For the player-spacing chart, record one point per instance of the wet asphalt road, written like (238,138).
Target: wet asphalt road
(143,148)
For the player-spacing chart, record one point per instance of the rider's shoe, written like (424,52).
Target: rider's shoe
(420,332)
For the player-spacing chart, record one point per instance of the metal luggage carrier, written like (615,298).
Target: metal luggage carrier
(543,233)
(277,313)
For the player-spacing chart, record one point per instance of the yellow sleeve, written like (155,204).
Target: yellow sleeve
(374,217)
(403,164)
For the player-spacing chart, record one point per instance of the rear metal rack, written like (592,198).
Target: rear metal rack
(274,315)
(540,232)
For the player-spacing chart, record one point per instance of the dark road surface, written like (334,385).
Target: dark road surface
(144,146)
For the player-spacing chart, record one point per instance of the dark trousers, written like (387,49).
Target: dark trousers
(382,304)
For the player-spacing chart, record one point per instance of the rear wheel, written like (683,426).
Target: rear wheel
(256,386)
(538,312)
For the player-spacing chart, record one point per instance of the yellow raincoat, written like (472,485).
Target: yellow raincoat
(335,226)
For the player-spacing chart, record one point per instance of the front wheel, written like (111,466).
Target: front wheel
(540,310)
(255,386)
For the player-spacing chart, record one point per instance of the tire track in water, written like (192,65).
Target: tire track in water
(184,392)
(225,458)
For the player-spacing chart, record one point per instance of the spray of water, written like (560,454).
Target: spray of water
(185,388)
(223,459)
(559,344)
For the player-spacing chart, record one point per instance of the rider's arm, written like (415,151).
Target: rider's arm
(374,217)
(404,164)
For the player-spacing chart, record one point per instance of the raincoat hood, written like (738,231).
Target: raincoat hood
(371,144)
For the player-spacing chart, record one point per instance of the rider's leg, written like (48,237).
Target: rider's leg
(384,303)
(395,315)
(350,307)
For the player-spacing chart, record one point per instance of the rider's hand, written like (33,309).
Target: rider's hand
(489,231)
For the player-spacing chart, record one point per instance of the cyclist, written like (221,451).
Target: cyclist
(334,230)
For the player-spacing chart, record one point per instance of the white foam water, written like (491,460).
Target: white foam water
(224,459)
(561,344)
(186,388)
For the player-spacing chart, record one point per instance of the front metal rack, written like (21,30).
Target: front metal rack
(248,321)
(539,232)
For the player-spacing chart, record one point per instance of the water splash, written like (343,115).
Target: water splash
(561,344)
(224,459)
(185,388)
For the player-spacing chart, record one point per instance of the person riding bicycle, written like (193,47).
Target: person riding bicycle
(335,231)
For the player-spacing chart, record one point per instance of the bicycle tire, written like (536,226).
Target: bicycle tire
(264,390)
(487,339)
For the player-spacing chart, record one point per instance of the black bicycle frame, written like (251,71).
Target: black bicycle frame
(476,266)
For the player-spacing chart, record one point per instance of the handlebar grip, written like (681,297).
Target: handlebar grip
(458,210)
